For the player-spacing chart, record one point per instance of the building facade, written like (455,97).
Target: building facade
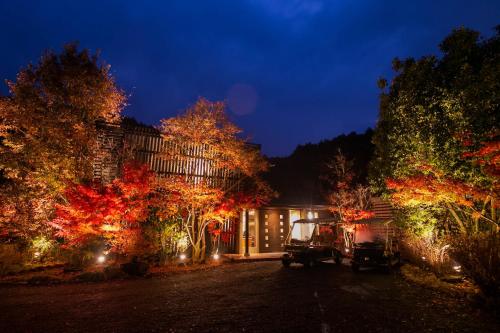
(145,144)
(269,226)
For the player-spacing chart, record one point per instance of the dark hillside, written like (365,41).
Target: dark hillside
(299,177)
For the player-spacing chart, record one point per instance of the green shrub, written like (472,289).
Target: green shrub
(43,248)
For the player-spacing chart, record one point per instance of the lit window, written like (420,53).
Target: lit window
(266,230)
(267,237)
(281,217)
(281,223)
(281,230)
(316,215)
(266,216)
(267,245)
(265,223)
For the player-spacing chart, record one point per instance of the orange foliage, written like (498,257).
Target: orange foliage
(219,173)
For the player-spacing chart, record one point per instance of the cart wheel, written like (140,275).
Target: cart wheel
(390,266)
(337,258)
(310,263)
(398,255)
(355,268)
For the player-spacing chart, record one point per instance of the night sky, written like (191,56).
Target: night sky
(292,71)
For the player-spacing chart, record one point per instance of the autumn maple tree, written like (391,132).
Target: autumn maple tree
(348,199)
(48,133)
(111,211)
(217,169)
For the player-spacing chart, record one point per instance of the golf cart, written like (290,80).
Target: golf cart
(373,243)
(310,241)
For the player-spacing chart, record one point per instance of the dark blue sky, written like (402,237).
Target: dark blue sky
(293,71)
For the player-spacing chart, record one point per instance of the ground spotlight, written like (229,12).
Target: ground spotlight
(101,259)
(182,256)
(216,256)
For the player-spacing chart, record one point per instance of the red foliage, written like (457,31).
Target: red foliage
(113,211)
(350,215)
(429,189)
(488,156)
(431,186)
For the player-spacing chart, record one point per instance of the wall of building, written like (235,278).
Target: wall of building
(272,226)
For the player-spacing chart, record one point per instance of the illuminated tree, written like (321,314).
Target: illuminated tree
(113,211)
(437,144)
(351,201)
(217,169)
(473,207)
(48,134)
(432,103)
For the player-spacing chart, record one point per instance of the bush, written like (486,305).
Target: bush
(430,252)
(11,259)
(135,268)
(114,272)
(79,258)
(479,256)
(91,277)
(43,280)
(43,248)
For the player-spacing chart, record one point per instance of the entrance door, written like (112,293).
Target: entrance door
(253,232)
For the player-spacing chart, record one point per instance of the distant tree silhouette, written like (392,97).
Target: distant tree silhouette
(300,177)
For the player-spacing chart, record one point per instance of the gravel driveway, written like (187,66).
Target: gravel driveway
(246,297)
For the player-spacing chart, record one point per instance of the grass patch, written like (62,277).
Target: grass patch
(428,279)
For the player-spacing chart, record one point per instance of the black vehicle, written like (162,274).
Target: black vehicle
(311,241)
(374,243)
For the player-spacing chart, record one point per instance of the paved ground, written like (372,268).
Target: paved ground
(245,297)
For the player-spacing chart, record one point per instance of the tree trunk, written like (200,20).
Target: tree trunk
(196,253)
(461,225)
